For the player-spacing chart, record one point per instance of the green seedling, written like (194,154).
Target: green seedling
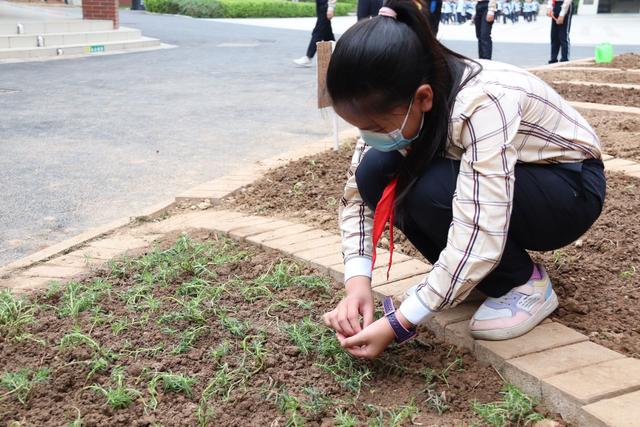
(220,351)
(516,409)
(290,406)
(120,396)
(77,421)
(253,346)
(175,383)
(559,258)
(189,337)
(233,325)
(444,374)
(628,274)
(16,313)
(392,417)
(344,419)
(190,311)
(98,364)
(304,334)
(223,383)
(315,403)
(305,305)
(437,401)
(254,292)
(201,289)
(20,383)
(79,297)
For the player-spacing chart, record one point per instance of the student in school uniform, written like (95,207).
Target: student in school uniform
(560,13)
(506,11)
(535,10)
(469,10)
(485,14)
(527,9)
(477,162)
(321,32)
(460,12)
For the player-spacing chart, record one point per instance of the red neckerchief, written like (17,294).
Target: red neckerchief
(384,212)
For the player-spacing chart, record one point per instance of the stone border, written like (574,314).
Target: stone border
(611,85)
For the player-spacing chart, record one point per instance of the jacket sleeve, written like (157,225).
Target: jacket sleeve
(481,206)
(356,222)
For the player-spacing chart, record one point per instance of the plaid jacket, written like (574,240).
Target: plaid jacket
(503,116)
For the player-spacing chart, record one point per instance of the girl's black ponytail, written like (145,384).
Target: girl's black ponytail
(378,64)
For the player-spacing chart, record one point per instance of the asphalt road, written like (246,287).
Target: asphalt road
(86,141)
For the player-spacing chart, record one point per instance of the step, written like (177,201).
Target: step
(55,27)
(66,39)
(78,49)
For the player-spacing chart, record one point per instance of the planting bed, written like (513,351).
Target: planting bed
(619,133)
(597,280)
(598,94)
(206,331)
(590,75)
(624,61)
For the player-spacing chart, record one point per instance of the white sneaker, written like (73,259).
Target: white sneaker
(517,312)
(303,62)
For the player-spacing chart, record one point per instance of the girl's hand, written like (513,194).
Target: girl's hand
(371,341)
(345,318)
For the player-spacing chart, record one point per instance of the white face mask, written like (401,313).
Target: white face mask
(393,140)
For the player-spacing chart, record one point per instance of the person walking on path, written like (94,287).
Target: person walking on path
(485,11)
(368,8)
(560,13)
(475,161)
(321,32)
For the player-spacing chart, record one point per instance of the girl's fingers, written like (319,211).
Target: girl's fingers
(367,314)
(354,317)
(343,321)
(355,341)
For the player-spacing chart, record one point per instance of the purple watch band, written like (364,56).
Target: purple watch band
(402,334)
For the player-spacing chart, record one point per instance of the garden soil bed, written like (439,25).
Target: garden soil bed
(619,133)
(624,61)
(590,76)
(206,331)
(598,280)
(598,94)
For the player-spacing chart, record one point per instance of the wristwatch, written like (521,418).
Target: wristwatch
(402,334)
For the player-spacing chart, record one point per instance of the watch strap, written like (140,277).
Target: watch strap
(402,334)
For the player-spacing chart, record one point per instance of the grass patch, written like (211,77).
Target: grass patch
(16,313)
(20,383)
(516,409)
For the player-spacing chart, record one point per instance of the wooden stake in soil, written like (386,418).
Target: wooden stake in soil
(324,100)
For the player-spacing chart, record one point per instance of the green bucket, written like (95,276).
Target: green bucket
(604,53)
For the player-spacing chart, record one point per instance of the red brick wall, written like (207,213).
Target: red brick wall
(101,9)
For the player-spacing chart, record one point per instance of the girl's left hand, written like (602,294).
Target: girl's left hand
(371,341)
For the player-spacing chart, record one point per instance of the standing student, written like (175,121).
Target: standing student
(536,9)
(560,13)
(460,12)
(321,32)
(475,161)
(368,8)
(506,11)
(485,11)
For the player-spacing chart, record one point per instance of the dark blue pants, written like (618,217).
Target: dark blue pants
(322,32)
(552,207)
(560,34)
(483,30)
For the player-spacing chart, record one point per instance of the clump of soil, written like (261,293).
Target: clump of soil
(206,331)
(598,281)
(598,94)
(619,133)
(590,76)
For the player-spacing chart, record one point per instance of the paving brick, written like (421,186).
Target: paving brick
(332,262)
(382,259)
(283,243)
(331,241)
(121,243)
(103,254)
(398,288)
(461,312)
(244,231)
(399,271)
(48,270)
(527,371)
(619,165)
(458,334)
(323,251)
(567,393)
(542,337)
(261,238)
(621,411)
(21,283)
(71,261)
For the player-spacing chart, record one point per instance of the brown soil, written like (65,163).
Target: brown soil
(590,76)
(395,379)
(624,61)
(619,133)
(598,282)
(598,94)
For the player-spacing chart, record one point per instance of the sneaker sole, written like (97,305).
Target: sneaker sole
(508,333)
